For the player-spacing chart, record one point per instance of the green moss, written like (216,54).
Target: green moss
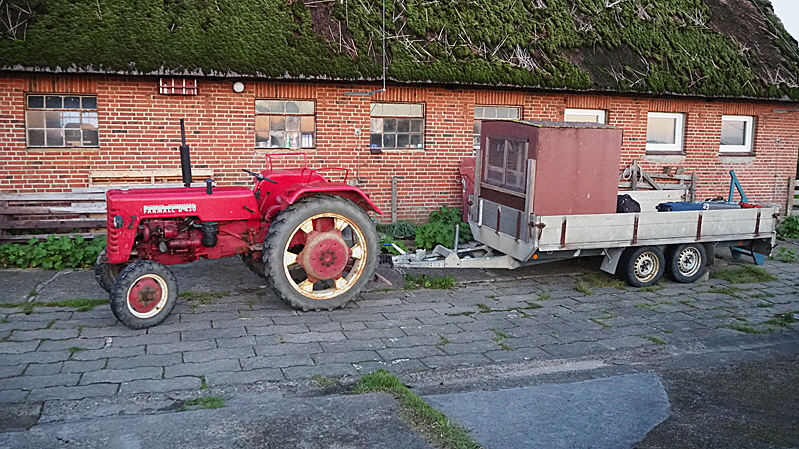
(669,46)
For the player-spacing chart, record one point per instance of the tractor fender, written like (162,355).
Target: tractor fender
(351,193)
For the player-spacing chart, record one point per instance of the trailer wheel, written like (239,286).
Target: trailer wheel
(144,294)
(255,264)
(687,262)
(320,253)
(642,266)
(106,273)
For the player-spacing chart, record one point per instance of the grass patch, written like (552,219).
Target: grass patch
(431,423)
(746,274)
(75,349)
(544,297)
(689,303)
(82,305)
(762,295)
(205,402)
(655,340)
(442,341)
(584,288)
(499,339)
(729,290)
(203,298)
(764,305)
(424,281)
(747,328)
(322,381)
(604,280)
(653,288)
(783,319)
(482,308)
(203,383)
(652,305)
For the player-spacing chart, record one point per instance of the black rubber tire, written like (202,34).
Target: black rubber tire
(686,263)
(286,280)
(641,266)
(106,273)
(255,264)
(139,274)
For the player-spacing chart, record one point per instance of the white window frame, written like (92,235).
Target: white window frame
(679,133)
(413,114)
(295,138)
(599,114)
(57,124)
(479,117)
(748,136)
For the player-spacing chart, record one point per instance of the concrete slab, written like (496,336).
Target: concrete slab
(608,413)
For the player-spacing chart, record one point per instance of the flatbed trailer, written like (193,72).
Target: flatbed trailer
(531,219)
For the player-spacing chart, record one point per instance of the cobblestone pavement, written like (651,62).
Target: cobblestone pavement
(229,330)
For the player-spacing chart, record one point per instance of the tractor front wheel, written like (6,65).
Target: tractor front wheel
(320,253)
(106,273)
(144,294)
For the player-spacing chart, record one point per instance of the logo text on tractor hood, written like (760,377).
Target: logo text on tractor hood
(169,208)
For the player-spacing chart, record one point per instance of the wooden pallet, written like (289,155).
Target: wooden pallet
(42,214)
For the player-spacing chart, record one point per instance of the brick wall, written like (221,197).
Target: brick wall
(139,129)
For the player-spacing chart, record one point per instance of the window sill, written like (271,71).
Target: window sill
(394,150)
(47,149)
(665,153)
(736,154)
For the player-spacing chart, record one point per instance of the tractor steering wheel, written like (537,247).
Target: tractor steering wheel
(259,176)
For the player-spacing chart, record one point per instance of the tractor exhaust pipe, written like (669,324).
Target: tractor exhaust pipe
(185,161)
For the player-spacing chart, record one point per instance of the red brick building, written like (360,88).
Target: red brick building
(709,86)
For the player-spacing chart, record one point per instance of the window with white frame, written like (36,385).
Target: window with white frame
(492,113)
(57,121)
(585,115)
(397,125)
(285,124)
(736,133)
(664,132)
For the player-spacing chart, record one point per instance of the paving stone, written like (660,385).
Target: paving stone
(414,352)
(51,334)
(30,382)
(18,347)
(10,371)
(345,357)
(13,396)
(73,366)
(244,377)
(106,353)
(73,393)
(40,315)
(624,342)
(455,360)
(516,354)
(306,319)
(277,329)
(207,316)
(144,360)
(117,330)
(181,346)
(416,340)
(314,336)
(160,385)
(472,347)
(43,369)
(218,354)
(269,349)
(201,369)
(278,361)
(426,329)
(376,334)
(327,370)
(347,346)
(395,366)
(576,349)
(248,340)
(121,375)
(35,357)
(211,334)
(82,343)
(146,339)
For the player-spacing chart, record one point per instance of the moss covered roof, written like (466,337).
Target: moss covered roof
(716,48)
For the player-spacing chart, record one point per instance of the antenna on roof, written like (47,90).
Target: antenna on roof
(372,92)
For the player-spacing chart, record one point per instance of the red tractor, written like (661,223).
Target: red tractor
(310,237)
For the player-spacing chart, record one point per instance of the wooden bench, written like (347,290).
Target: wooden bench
(42,214)
(159,176)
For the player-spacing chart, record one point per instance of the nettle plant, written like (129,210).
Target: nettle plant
(52,253)
(440,229)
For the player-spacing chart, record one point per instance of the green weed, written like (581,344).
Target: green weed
(203,298)
(746,274)
(786,255)
(52,253)
(655,340)
(583,288)
(604,280)
(205,402)
(425,281)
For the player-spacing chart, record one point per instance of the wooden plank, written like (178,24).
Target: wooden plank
(77,208)
(64,196)
(55,224)
(158,173)
(26,237)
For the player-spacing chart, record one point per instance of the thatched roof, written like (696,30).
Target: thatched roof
(714,48)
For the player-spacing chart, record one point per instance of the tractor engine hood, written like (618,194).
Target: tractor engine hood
(225,203)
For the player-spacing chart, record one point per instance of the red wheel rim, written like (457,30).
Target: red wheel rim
(147,296)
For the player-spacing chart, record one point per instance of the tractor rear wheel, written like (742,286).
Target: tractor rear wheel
(320,253)
(144,294)
(106,273)
(255,264)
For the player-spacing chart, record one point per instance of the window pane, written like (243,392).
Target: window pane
(390,125)
(35,119)
(278,107)
(416,110)
(72,102)
(376,140)
(376,109)
(262,106)
(277,123)
(581,118)
(261,123)
(416,141)
(513,113)
(478,125)
(261,139)
(502,112)
(403,125)
(293,123)
(293,139)
(36,137)
(389,140)
(307,124)
(55,138)
(661,131)
(73,137)
(390,109)
(89,118)
(292,107)
(277,139)
(478,112)
(52,119)
(36,102)
(733,132)
(91,138)
(307,140)
(416,126)
(53,102)
(70,119)
(376,125)
(89,102)
(403,141)
(306,107)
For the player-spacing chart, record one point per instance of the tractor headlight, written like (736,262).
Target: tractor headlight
(118,221)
